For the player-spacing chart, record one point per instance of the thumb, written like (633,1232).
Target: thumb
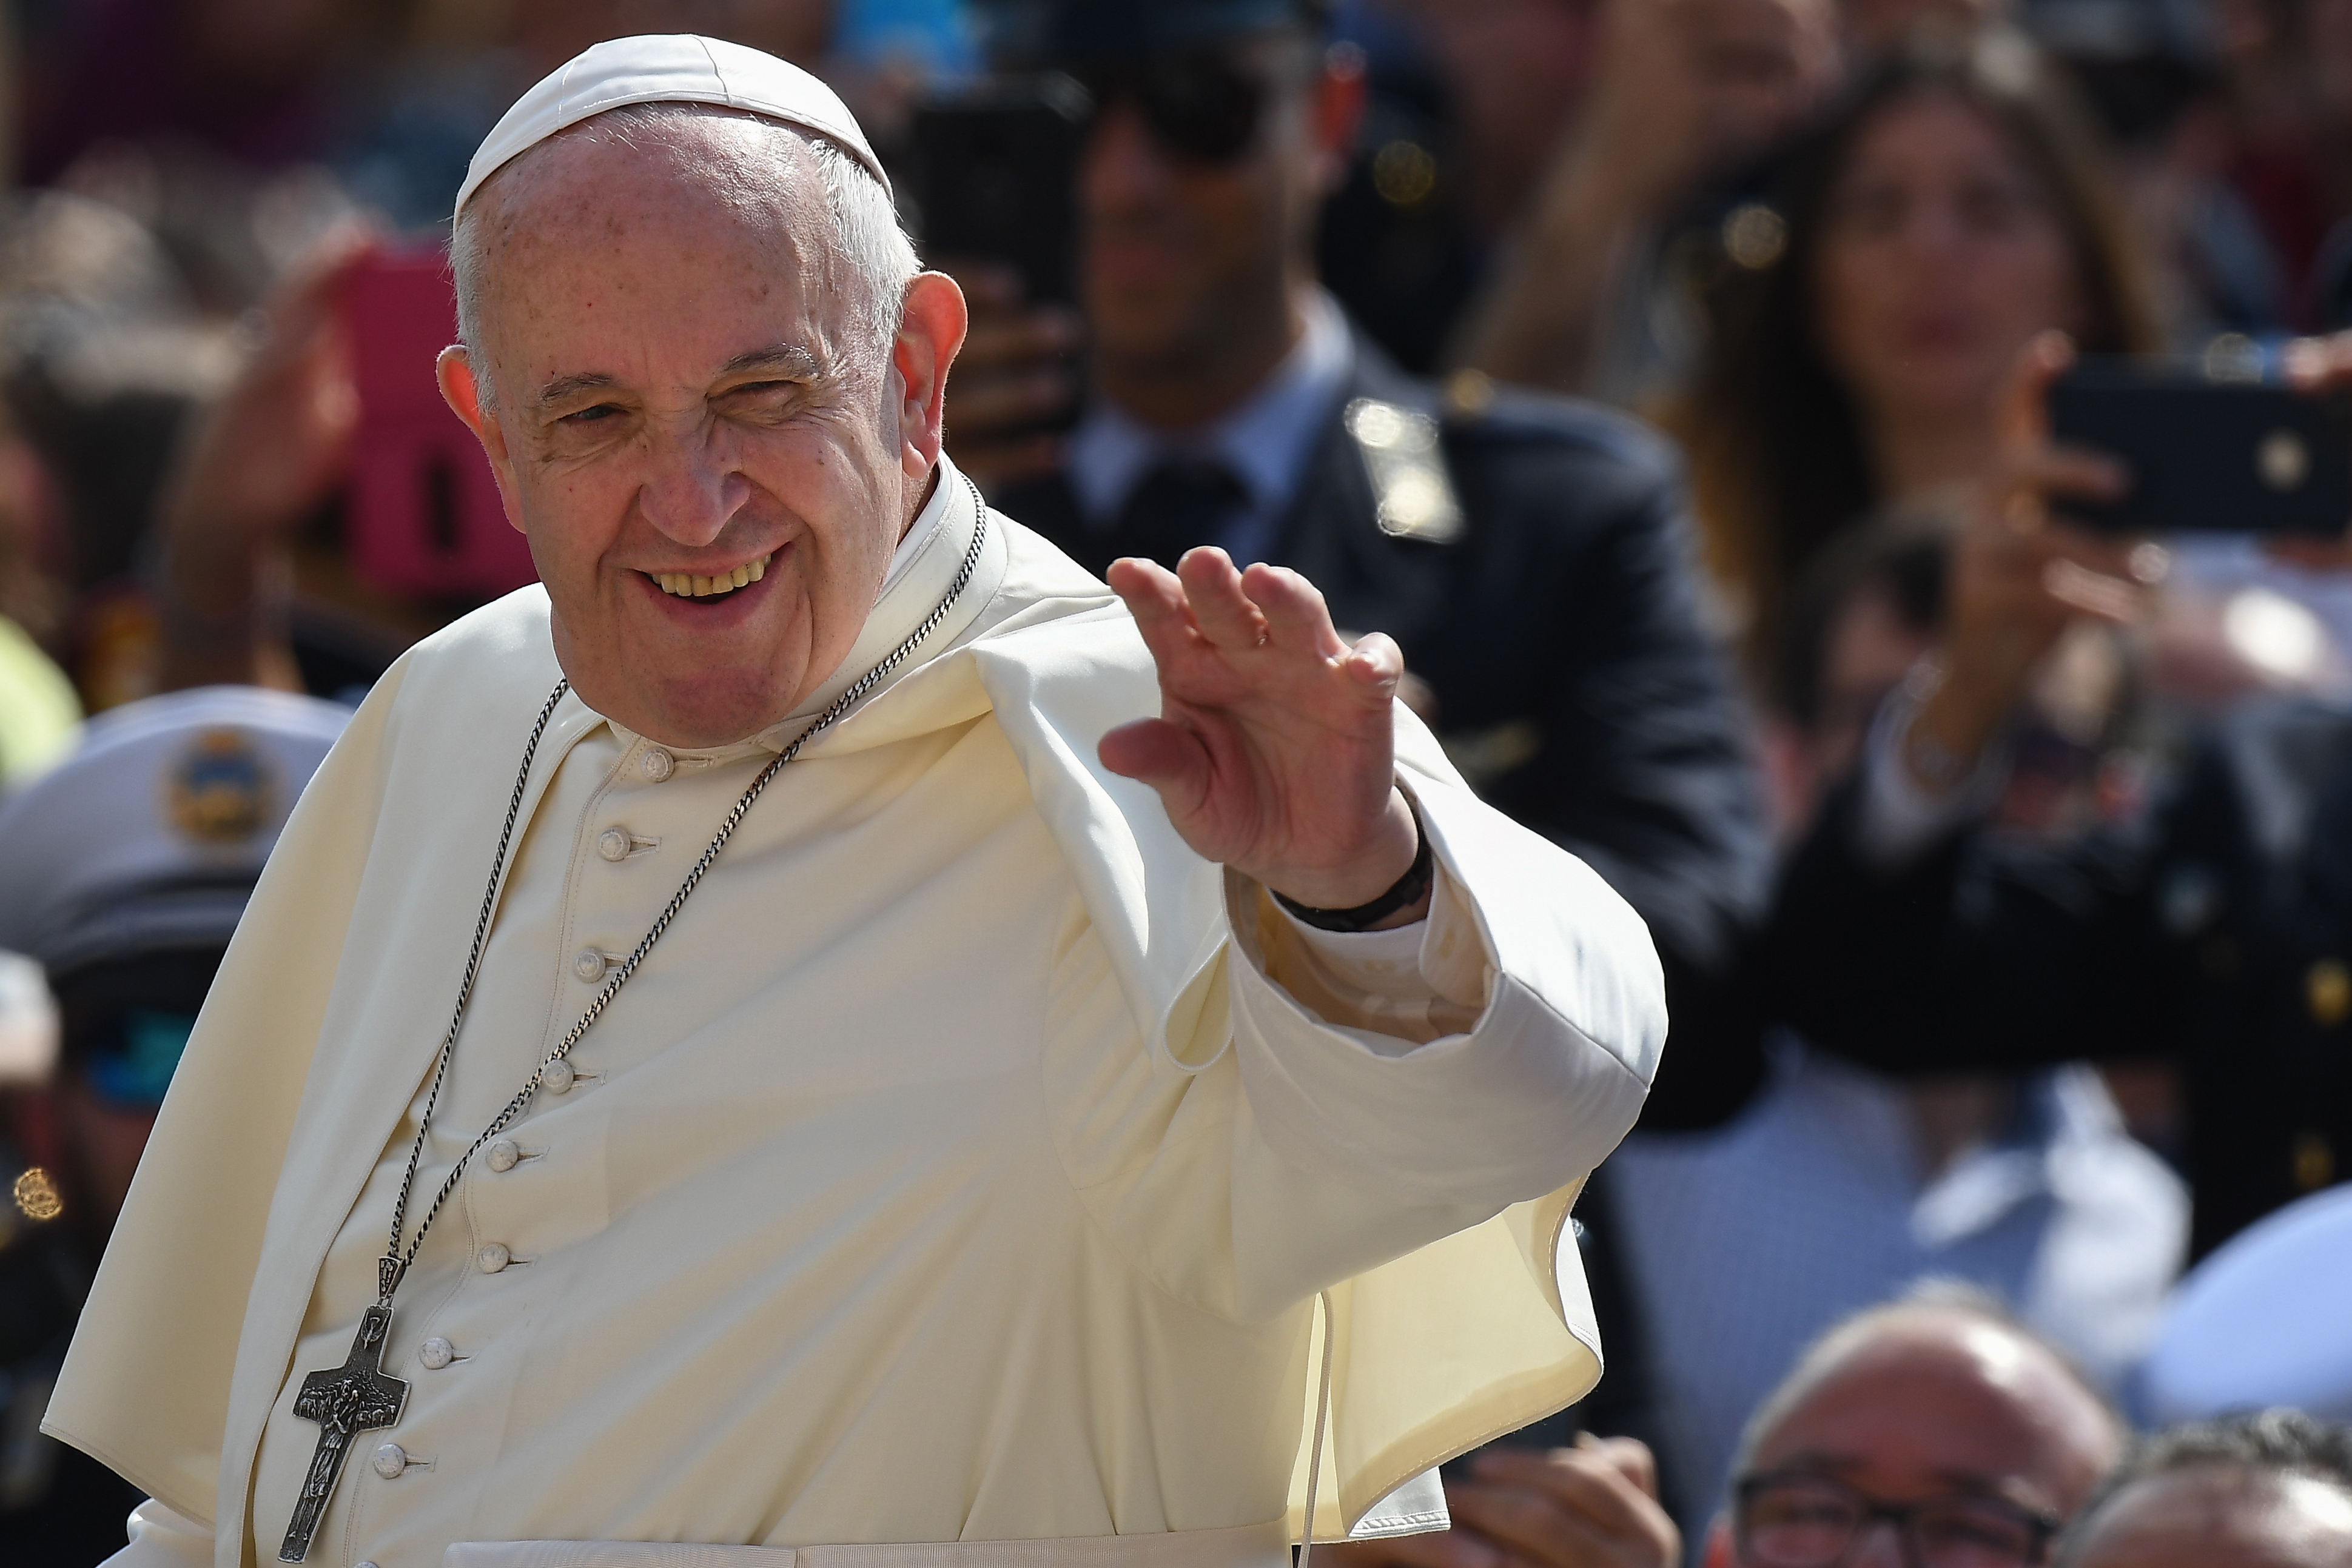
(1168,756)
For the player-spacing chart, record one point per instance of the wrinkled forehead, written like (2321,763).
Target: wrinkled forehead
(651,165)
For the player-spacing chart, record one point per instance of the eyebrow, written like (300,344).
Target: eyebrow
(791,360)
(563,387)
(794,360)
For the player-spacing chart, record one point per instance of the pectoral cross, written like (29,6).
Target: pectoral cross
(352,1398)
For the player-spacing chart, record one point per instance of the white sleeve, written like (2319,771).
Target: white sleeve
(1494,1052)
(164,1538)
(1898,817)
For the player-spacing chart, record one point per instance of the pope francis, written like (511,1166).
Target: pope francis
(762,1050)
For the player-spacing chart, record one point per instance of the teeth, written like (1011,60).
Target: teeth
(689,585)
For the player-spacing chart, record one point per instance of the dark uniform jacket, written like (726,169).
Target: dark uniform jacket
(2218,930)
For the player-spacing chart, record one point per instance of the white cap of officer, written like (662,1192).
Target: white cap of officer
(148,837)
(2267,1321)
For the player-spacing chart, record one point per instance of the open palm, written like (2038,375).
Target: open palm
(1274,749)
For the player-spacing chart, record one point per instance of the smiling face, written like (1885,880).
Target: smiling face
(691,422)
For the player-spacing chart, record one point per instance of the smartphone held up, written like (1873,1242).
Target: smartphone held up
(2209,453)
(421,511)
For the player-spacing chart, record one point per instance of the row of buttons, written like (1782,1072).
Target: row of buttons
(614,845)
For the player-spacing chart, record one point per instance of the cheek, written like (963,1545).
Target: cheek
(2029,279)
(1852,297)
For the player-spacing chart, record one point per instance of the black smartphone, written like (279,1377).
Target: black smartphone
(995,171)
(2208,456)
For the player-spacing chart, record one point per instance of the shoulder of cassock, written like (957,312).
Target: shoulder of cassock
(199,1299)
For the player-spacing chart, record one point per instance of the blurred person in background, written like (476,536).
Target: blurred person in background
(2214,927)
(128,865)
(1834,1187)
(1529,554)
(1465,104)
(2267,1491)
(1872,302)
(1935,1431)
(1584,292)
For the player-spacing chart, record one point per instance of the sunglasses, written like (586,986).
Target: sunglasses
(1205,106)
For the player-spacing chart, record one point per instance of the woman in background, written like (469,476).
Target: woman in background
(1871,306)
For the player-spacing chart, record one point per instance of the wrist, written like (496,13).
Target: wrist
(1400,903)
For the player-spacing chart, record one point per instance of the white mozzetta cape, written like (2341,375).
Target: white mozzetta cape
(958,1169)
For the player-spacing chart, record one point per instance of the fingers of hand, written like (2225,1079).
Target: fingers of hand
(1295,617)
(1590,1485)
(2094,593)
(1155,597)
(1631,1456)
(1213,588)
(1540,1527)
(2023,418)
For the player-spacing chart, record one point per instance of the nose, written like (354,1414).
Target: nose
(1122,168)
(1881,1546)
(692,489)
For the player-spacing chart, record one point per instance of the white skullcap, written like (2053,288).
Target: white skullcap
(666,67)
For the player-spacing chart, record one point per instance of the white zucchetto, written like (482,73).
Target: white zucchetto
(666,67)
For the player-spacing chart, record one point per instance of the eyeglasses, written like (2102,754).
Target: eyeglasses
(1790,1519)
(1205,105)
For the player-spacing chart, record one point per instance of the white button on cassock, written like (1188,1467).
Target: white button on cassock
(657,764)
(437,1352)
(589,964)
(389,1460)
(501,1156)
(493,1257)
(557,1077)
(612,844)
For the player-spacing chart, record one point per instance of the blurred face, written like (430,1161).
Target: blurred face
(710,461)
(1180,255)
(1940,255)
(1515,69)
(1937,1409)
(2219,1516)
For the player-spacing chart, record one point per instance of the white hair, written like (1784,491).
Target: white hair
(869,243)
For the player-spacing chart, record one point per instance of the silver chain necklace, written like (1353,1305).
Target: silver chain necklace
(358,1396)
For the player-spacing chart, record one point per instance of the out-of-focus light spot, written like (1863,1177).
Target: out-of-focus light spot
(2274,633)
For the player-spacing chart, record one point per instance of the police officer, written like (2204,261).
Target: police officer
(2217,930)
(124,871)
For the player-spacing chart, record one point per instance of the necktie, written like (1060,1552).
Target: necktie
(1181,502)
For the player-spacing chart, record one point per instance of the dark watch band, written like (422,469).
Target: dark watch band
(1408,891)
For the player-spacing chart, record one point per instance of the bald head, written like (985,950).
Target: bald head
(828,225)
(2269,1490)
(1920,1403)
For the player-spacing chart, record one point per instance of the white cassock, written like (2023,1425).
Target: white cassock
(965,1164)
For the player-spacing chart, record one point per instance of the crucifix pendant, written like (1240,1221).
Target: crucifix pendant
(351,1398)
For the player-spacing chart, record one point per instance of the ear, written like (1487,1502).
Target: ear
(454,370)
(930,334)
(1337,113)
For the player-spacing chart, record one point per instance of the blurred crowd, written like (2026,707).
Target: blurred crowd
(1671,378)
